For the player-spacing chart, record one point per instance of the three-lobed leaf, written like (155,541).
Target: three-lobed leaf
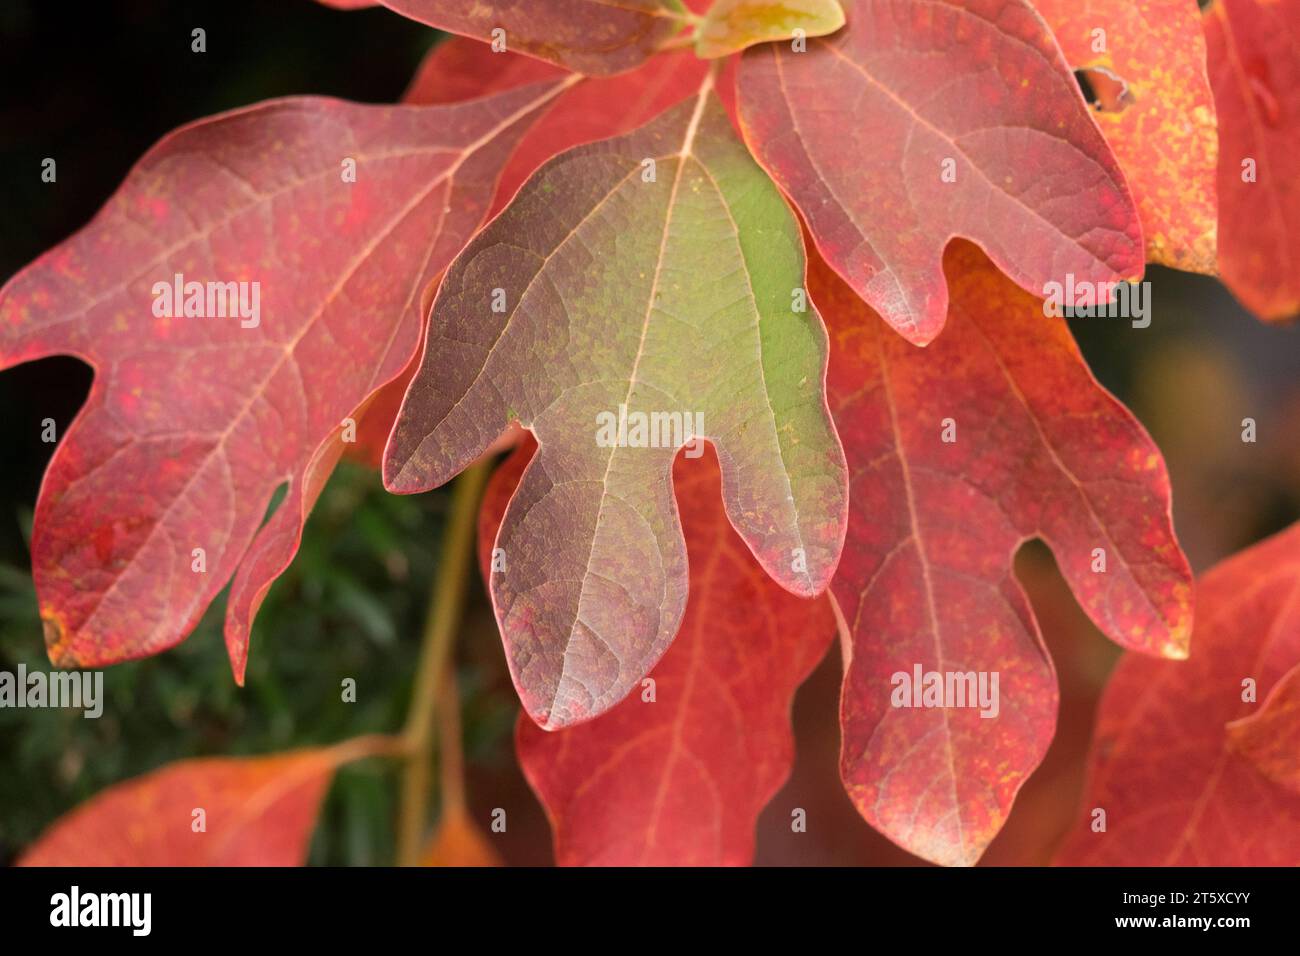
(654,274)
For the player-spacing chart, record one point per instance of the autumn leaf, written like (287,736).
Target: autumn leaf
(597,37)
(1254,64)
(212,811)
(732,25)
(1161,126)
(958,453)
(1165,768)
(156,495)
(922,121)
(680,780)
(660,274)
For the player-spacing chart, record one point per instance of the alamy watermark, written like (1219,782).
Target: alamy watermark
(209,300)
(922,688)
(75,908)
(1086,300)
(78,690)
(651,430)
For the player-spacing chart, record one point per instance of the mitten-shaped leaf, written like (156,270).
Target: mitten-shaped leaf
(1160,118)
(678,773)
(252,282)
(1254,63)
(639,295)
(957,454)
(1168,782)
(924,120)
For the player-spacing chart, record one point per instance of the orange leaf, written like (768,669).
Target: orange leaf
(255,811)
(458,842)
(1160,118)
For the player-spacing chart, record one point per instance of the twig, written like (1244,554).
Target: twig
(441,624)
(451,758)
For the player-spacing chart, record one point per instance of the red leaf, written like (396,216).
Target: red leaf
(1162,128)
(257,811)
(681,781)
(861,129)
(192,423)
(597,37)
(1175,790)
(1039,450)
(1254,62)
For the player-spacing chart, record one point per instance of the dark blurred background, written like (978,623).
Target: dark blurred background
(94,85)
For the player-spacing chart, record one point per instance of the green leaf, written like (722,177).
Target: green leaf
(654,274)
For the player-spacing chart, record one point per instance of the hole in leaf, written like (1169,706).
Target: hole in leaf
(1105,91)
